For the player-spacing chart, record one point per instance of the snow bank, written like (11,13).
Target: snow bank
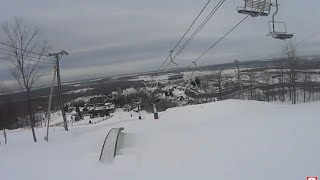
(223,140)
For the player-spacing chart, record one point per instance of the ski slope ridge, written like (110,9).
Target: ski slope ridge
(223,140)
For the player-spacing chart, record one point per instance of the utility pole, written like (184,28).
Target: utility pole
(50,100)
(239,80)
(58,56)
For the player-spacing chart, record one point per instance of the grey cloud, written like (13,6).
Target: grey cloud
(101,34)
(116,54)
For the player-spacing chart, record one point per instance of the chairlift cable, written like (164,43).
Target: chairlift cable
(165,67)
(217,42)
(311,36)
(159,69)
(209,16)
(163,63)
(191,25)
(204,22)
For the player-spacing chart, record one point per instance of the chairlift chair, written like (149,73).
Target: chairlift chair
(255,8)
(282,35)
(179,74)
(171,59)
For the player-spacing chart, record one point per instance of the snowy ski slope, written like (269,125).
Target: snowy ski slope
(224,140)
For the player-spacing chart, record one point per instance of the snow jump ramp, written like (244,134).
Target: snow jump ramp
(110,145)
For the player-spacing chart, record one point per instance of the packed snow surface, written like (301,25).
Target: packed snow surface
(231,139)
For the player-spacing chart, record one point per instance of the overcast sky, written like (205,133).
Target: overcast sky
(109,37)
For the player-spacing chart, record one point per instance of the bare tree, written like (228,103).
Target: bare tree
(283,93)
(266,79)
(305,86)
(219,83)
(309,87)
(290,51)
(28,52)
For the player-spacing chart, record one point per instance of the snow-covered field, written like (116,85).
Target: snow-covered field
(224,140)
(79,91)
(149,78)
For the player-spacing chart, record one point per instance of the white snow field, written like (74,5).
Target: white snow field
(228,140)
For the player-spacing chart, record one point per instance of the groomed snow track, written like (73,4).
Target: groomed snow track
(109,148)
